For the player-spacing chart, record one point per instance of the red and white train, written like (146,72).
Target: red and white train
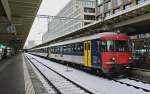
(108,52)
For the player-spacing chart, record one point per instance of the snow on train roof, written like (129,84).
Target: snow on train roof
(95,36)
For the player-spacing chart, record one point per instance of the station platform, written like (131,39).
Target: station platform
(17,77)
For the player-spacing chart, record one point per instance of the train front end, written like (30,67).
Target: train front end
(115,53)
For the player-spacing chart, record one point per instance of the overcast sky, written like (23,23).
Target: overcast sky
(39,27)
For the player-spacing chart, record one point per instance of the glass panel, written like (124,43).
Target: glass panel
(127,6)
(140,1)
(99,2)
(117,2)
(115,46)
(116,10)
(110,45)
(122,46)
(108,6)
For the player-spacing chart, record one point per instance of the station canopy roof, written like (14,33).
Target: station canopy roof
(16,19)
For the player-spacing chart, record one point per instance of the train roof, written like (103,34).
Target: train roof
(115,37)
(40,48)
(95,36)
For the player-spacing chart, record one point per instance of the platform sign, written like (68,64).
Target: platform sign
(2,46)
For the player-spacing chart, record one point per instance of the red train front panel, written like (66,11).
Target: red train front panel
(120,58)
(115,50)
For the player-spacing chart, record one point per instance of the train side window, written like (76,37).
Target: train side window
(80,47)
(69,48)
(43,50)
(53,50)
(77,47)
(74,49)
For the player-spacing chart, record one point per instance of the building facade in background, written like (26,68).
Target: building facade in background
(105,8)
(88,11)
(82,12)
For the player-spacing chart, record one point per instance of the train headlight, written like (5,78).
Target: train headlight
(130,58)
(113,58)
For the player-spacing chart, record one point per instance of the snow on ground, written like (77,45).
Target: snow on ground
(62,84)
(139,84)
(95,84)
(49,89)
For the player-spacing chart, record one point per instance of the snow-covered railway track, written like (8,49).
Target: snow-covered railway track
(145,86)
(132,83)
(95,84)
(61,84)
(46,80)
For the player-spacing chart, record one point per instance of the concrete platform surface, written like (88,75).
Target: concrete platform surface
(16,77)
(12,76)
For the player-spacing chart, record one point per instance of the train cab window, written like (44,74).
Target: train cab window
(107,46)
(122,46)
(110,45)
(115,46)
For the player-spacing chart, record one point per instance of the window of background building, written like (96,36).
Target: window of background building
(107,6)
(127,6)
(140,1)
(89,17)
(97,10)
(79,2)
(86,23)
(99,2)
(116,10)
(117,3)
(99,17)
(107,14)
(127,1)
(89,10)
(89,3)
(100,10)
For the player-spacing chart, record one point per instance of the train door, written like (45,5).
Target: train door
(87,53)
